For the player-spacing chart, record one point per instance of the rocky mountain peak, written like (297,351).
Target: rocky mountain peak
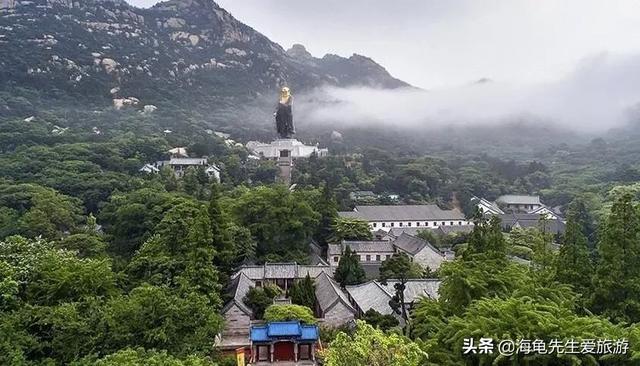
(299,51)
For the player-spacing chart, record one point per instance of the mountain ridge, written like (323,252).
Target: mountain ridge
(178,51)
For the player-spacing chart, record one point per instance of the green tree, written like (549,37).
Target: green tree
(31,210)
(466,281)
(372,347)
(49,276)
(181,254)
(400,268)
(514,318)
(278,313)
(9,286)
(486,239)
(260,298)
(222,240)
(349,271)
(616,284)
(303,292)
(140,357)
(574,266)
(87,245)
(328,210)
(584,218)
(190,183)
(169,179)
(244,246)
(281,222)
(350,229)
(156,318)
(130,218)
(377,320)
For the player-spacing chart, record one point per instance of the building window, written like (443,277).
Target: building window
(435,223)
(368,258)
(258,283)
(400,224)
(459,222)
(377,257)
(383,224)
(375,225)
(451,223)
(336,259)
(409,224)
(392,224)
(417,224)
(387,256)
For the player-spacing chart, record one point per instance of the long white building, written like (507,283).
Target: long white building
(386,217)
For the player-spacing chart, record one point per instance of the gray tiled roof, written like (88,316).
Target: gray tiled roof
(379,246)
(414,289)
(328,292)
(371,295)
(411,244)
(368,246)
(403,213)
(283,270)
(519,199)
(239,287)
(314,271)
(526,220)
(397,231)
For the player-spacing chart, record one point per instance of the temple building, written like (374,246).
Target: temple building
(284,341)
(373,253)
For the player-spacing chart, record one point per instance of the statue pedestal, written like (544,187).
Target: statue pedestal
(284,152)
(285,167)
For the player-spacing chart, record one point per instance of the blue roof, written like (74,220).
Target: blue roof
(259,333)
(309,332)
(291,329)
(284,329)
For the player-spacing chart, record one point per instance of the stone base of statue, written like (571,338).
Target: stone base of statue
(285,167)
(284,152)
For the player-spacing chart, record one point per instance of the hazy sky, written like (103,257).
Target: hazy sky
(435,43)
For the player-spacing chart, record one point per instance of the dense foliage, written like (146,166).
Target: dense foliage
(279,313)
(357,350)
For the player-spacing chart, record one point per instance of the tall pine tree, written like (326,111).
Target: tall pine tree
(220,234)
(486,239)
(303,292)
(573,264)
(349,271)
(616,284)
(328,209)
